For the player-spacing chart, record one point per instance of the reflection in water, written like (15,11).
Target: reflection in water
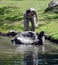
(30,53)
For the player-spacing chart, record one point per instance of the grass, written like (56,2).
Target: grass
(11,16)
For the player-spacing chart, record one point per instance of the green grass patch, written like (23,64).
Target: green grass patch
(11,14)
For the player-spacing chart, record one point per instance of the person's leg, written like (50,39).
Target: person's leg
(32,25)
(26,24)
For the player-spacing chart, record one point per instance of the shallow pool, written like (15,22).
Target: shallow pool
(46,54)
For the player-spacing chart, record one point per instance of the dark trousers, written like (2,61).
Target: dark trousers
(26,23)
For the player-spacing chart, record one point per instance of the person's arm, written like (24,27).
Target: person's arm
(36,16)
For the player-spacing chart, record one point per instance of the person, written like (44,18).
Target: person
(30,15)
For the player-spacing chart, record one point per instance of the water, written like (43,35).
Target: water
(46,54)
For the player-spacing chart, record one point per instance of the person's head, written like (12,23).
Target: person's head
(28,12)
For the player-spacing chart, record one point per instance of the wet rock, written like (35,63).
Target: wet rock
(11,33)
(0,33)
(29,37)
(51,39)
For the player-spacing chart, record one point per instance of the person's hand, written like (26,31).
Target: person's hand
(36,19)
